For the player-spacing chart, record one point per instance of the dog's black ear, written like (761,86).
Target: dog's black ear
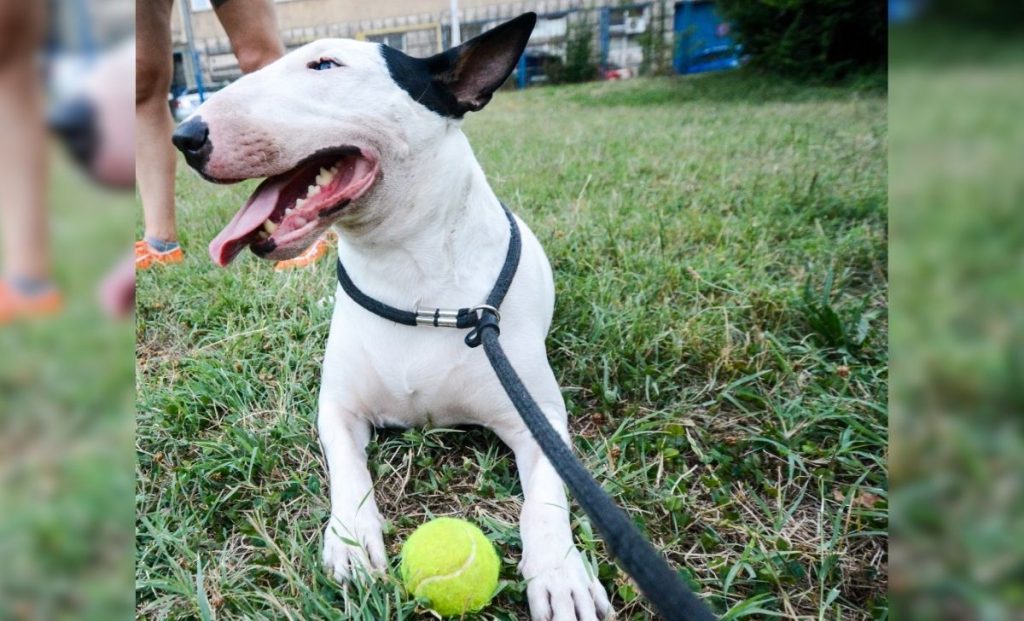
(472,71)
(462,79)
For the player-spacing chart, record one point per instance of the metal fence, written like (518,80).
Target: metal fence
(608,40)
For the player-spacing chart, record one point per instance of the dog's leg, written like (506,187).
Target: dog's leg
(560,585)
(353,542)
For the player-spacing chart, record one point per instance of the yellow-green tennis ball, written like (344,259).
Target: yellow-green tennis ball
(451,564)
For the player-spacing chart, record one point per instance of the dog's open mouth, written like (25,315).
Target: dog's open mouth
(287,212)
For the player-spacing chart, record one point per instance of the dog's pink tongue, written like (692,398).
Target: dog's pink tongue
(241,231)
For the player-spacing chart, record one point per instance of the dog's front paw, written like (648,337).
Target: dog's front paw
(354,549)
(562,588)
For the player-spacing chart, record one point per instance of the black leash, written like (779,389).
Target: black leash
(658,582)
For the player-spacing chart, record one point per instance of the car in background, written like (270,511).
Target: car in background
(188,101)
(615,72)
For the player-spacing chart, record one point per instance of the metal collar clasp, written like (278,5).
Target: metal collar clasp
(437,317)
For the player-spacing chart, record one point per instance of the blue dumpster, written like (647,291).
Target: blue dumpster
(703,41)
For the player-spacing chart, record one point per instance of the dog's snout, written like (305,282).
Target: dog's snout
(191,136)
(75,122)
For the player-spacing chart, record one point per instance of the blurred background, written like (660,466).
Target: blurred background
(956,259)
(957,322)
(66,387)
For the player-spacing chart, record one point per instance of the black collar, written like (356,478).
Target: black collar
(468,317)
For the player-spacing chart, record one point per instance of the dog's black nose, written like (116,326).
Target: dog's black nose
(74,121)
(191,136)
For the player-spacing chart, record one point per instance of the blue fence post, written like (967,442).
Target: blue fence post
(83,20)
(521,71)
(200,87)
(605,37)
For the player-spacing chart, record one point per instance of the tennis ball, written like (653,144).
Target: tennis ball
(452,564)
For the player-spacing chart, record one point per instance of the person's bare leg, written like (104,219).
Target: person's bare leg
(23,170)
(252,29)
(154,153)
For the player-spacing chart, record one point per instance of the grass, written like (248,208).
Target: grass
(719,246)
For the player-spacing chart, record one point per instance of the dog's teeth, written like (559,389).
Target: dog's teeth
(269,227)
(299,203)
(312,191)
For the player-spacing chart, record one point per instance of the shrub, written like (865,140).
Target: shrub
(657,49)
(811,39)
(579,65)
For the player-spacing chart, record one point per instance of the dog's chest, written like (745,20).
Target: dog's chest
(400,376)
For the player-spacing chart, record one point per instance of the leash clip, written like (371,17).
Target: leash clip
(488,317)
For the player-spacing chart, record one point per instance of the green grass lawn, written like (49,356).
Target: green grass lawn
(719,247)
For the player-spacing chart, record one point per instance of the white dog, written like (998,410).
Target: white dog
(362,137)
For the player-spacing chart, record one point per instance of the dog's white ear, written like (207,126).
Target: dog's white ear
(472,71)
(462,79)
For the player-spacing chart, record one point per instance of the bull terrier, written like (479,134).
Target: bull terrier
(363,138)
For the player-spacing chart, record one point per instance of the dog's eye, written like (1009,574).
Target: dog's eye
(323,64)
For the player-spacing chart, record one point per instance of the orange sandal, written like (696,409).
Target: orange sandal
(312,254)
(147,256)
(15,305)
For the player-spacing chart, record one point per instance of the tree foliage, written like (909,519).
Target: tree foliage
(811,39)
